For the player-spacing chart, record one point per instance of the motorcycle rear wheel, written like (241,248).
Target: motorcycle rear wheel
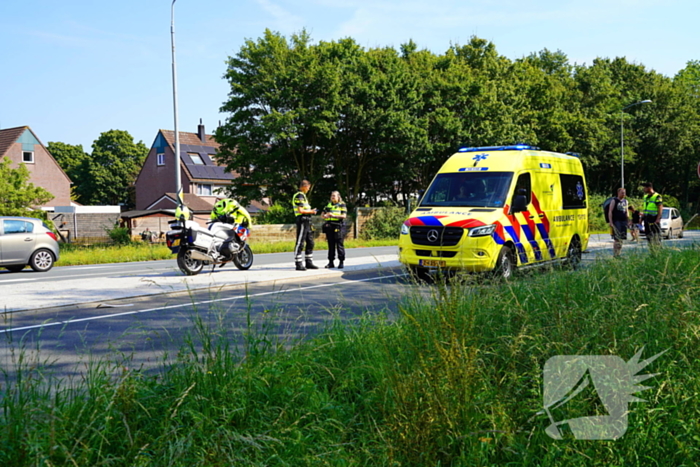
(189,266)
(244,259)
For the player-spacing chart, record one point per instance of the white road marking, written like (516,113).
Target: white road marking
(17,280)
(203,302)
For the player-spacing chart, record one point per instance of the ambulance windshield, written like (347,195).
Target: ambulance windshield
(468,189)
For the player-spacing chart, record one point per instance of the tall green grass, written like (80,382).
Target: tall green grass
(455,380)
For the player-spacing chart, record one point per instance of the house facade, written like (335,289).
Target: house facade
(21,145)
(200,175)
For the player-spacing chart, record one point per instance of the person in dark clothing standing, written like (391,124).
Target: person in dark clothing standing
(618,220)
(305,234)
(335,213)
(652,209)
(635,219)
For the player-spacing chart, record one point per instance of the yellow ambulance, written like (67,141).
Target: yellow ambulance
(497,208)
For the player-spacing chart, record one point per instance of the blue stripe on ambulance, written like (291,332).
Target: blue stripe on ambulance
(430,221)
(533,243)
(519,246)
(547,240)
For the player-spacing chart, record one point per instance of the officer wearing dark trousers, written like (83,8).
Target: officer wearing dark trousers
(652,209)
(305,234)
(335,213)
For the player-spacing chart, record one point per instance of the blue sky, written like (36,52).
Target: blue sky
(74,69)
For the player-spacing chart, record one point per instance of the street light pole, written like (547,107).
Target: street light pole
(622,139)
(178,183)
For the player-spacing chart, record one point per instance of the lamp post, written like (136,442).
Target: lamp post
(178,183)
(622,139)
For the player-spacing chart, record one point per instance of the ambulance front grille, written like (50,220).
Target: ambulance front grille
(436,236)
(439,254)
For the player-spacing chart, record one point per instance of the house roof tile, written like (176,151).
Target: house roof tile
(9,136)
(190,139)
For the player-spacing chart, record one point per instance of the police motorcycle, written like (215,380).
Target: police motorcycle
(224,241)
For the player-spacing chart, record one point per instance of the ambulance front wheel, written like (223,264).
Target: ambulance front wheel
(505,264)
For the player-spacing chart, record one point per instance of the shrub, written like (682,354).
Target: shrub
(278,213)
(384,223)
(119,235)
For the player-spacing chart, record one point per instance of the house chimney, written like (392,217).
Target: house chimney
(200,132)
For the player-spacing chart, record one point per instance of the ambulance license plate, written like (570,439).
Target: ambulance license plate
(432,263)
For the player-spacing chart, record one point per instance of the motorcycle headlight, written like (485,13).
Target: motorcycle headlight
(482,231)
(404,229)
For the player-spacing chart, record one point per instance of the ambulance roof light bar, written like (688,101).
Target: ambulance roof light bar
(514,147)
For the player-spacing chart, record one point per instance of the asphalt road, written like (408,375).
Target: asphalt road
(138,330)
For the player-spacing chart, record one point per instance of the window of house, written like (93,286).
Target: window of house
(204,190)
(573,192)
(161,159)
(196,158)
(28,157)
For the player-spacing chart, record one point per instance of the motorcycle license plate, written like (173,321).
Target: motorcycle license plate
(433,263)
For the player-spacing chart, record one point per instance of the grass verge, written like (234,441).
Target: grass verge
(456,380)
(73,255)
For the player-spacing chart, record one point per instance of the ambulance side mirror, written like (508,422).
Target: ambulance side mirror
(519,202)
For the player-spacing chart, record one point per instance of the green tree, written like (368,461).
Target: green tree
(17,195)
(111,169)
(73,160)
(282,108)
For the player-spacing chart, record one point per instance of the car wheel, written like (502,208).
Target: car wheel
(41,260)
(505,264)
(680,234)
(16,268)
(669,235)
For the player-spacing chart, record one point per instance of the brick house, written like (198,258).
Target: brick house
(21,145)
(200,175)
(203,180)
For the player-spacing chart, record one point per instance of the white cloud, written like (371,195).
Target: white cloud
(285,21)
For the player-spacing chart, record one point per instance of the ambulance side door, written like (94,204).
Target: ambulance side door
(522,229)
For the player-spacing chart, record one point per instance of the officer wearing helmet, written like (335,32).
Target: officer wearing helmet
(231,212)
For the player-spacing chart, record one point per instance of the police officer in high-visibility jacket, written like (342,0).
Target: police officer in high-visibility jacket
(652,209)
(231,212)
(335,213)
(305,234)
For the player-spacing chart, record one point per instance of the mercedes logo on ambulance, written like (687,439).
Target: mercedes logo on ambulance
(433,236)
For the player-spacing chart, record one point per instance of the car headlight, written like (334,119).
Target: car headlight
(404,229)
(482,231)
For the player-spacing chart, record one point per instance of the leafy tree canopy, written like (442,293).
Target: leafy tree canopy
(377,123)
(17,195)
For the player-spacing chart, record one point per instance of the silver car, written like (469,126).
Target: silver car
(671,223)
(27,241)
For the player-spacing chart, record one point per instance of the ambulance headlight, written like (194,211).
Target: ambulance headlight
(482,231)
(404,229)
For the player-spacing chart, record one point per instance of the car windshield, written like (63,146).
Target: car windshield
(666,214)
(468,189)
